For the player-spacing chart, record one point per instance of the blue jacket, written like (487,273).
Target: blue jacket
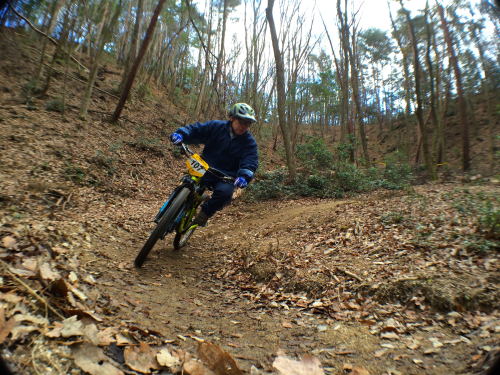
(235,155)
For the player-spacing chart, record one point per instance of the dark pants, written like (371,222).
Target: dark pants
(221,196)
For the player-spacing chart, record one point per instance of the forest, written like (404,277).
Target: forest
(366,244)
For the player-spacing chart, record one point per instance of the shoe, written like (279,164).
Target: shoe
(201,219)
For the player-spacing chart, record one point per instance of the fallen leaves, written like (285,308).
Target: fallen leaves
(218,360)
(307,365)
(92,359)
(141,358)
(9,242)
(355,370)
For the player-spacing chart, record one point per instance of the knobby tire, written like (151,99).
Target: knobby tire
(167,218)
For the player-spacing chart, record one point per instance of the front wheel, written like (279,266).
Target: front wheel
(164,224)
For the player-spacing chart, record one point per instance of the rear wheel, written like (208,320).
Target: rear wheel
(165,222)
(181,238)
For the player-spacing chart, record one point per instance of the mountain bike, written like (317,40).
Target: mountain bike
(181,207)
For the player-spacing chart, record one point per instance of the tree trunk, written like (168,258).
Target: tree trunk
(486,94)
(56,7)
(281,94)
(137,62)
(406,70)
(460,91)
(432,79)
(220,57)
(104,34)
(67,27)
(356,96)
(418,92)
(132,53)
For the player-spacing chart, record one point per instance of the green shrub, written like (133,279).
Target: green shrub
(489,220)
(152,145)
(107,162)
(345,150)
(349,178)
(269,185)
(323,175)
(143,91)
(391,218)
(55,105)
(397,176)
(31,88)
(74,173)
(480,245)
(314,154)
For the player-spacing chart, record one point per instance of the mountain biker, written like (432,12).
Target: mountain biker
(230,148)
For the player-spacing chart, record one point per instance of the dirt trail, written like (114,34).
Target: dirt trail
(175,293)
(179,295)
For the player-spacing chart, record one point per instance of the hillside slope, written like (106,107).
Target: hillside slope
(383,283)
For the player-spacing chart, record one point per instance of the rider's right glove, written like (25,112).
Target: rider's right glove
(176,138)
(240,182)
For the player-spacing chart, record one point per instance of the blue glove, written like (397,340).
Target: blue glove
(240,182)
(176,138)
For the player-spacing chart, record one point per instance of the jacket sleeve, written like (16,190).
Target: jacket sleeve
(196,133)
(249,163)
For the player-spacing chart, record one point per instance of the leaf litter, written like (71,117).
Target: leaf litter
(319,270)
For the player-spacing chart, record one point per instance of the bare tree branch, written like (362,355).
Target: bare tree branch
(45,35)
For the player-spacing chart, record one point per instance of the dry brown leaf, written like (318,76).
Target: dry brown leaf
(106,336)
(72,277)
(9,242)
(31,264)
(390,335)
(47,273)
(22,272)
(122,339)
(194,367)
(166,359)
(59,287)
(308,365)
(92,360)
(90,334)
(217,359)
(77,292)
(379,353)
(89,279)
(141,358)
(309,247)
(359,370)
(72,327)
(5,326)
(31,318)
(11,297)
(20,331)
(56,331)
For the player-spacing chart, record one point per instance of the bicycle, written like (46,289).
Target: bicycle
(179,210)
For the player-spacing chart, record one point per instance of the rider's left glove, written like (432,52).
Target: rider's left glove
(176,138)
(240,182)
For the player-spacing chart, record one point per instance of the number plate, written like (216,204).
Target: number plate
(196,165)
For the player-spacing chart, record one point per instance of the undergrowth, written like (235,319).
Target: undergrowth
(326,174)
